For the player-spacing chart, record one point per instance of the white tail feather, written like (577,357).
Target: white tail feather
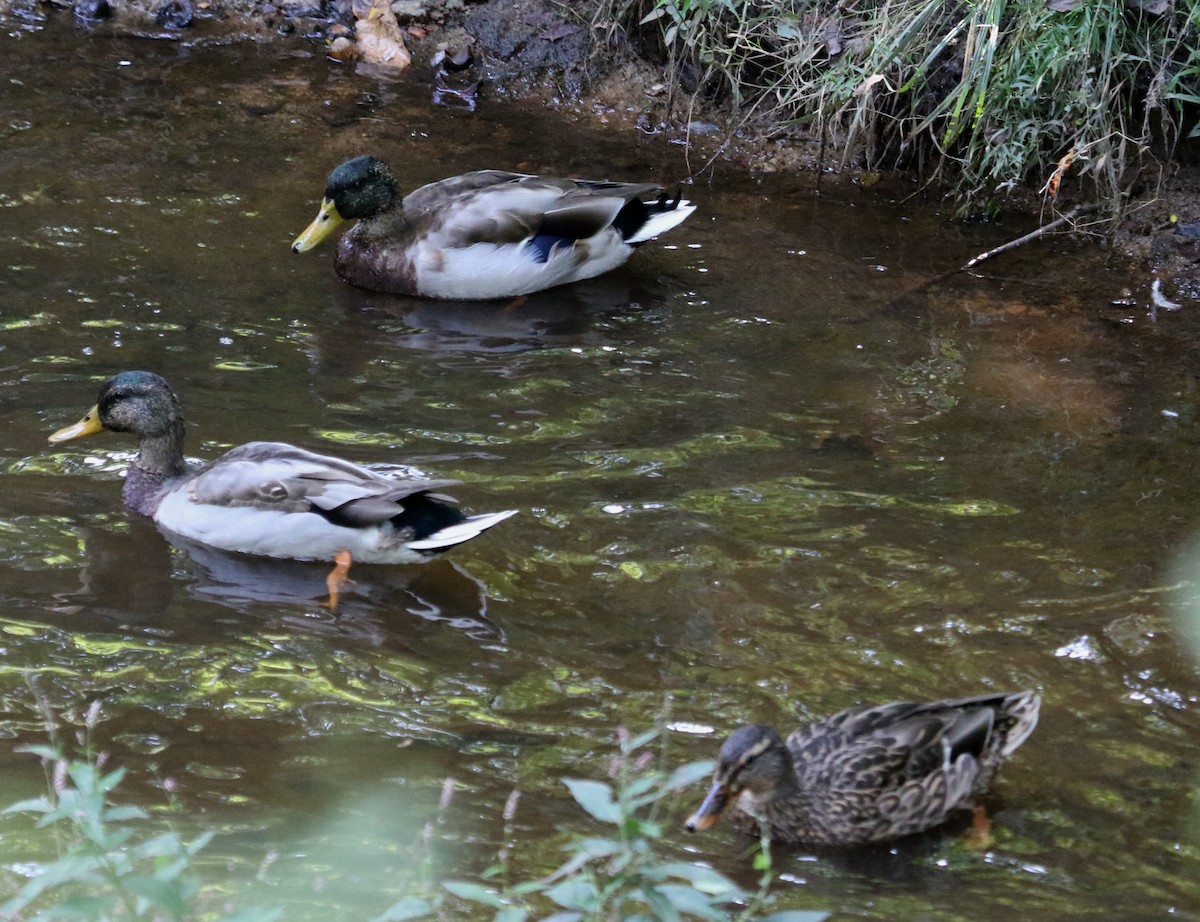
(1025,709)
(462,531)
(662,221)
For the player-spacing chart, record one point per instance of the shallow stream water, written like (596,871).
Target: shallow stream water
(764,473)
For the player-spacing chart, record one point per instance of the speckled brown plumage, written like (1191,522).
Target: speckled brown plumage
(867,774)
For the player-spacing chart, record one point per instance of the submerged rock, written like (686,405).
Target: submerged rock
(457,76)
(92,10)
(343,49)
(174,14)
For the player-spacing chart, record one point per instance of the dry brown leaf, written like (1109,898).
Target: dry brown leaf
(378,35)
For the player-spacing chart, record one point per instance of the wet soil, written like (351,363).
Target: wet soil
(564,57)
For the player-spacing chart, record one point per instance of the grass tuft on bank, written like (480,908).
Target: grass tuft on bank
(988,96)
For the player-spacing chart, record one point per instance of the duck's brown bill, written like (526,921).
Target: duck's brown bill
(324,224)
(710,811)
(89,425)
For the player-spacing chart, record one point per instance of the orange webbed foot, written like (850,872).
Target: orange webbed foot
(337,578)
(979,836)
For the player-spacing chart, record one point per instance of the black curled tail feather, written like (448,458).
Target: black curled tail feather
(669,204)
(635,213)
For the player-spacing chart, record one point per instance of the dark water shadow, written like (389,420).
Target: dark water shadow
(564,317)
(911,858)
(126,580)
(914,864)
(440,592)
(133,577)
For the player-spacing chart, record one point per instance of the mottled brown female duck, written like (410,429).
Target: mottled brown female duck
(867,774)
(483,235)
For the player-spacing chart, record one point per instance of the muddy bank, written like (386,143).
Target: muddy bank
(565,58)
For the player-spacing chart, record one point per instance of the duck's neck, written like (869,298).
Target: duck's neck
(787,810)
(159,459)
(375,254)
(386,226)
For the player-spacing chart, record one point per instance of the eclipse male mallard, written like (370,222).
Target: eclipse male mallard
(270,498)
(868,774)
(483,235)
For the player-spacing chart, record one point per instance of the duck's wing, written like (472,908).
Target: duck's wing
(507,208)
(436,196)
(887,771)
(1013,717)
(279,477)
(886,746)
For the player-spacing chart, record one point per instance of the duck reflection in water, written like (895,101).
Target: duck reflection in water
(440,592)
(133,577)
(588,315)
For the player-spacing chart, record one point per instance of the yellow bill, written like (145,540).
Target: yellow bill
(89,425)
(323,225)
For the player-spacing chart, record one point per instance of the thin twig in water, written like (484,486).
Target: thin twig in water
(1062,219)
(974,261)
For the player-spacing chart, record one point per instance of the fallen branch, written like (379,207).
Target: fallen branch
(974,261)
(1062,219)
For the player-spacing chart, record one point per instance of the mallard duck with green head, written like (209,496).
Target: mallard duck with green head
(483,235)
(270,498)
(868,774)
